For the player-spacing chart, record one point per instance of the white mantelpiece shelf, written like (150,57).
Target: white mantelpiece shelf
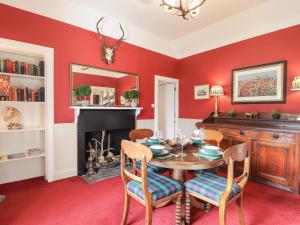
(78,108)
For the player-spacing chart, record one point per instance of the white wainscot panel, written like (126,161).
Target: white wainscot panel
(147,124)
(187,125)
(65,150)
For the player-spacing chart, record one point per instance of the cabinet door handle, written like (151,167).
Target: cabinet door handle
(242,132)
(275,135)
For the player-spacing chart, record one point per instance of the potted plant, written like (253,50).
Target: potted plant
(275,114)
(126,97)
(231,113)
(83,92)
(133,95)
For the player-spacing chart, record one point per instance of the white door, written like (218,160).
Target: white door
(166,109)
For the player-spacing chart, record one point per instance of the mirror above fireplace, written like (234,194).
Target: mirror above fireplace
(93,86)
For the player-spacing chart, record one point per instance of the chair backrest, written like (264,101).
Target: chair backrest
(135,151)
(238,152)
(213,135)
(140,134)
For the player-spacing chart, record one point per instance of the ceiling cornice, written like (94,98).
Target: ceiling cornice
(265,18)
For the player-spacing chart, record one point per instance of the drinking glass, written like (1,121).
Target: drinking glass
(182,140)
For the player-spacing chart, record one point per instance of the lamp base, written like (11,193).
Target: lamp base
(216,114)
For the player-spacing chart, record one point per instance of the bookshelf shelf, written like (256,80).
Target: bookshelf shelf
(22,102)
(22,130)
(23,76)
(23,158)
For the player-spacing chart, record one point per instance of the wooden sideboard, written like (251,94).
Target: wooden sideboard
(274,145)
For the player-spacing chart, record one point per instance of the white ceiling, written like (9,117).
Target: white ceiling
(221,22)
(150,16)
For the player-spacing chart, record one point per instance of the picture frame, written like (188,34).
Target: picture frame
(260,84)
(201,92)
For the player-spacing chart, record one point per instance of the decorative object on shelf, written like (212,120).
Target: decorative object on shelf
(107,51)
(13,118)
(34,152)
(251,115)
(2,156)
(201,91)
(231,113)
(296,84)
(102,96)
(275,114)
(188,9)
(2,197)
(83,92)
(4,87)
(133,96)
(259,84)
(216,90)
(126,97)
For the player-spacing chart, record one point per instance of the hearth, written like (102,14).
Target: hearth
(106,127)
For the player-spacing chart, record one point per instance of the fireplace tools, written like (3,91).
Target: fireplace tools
(100,157)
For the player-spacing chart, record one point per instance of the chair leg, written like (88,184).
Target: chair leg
(187,208)
(240,210)
(222,214)
(126,209)
(178,210)
(149,210)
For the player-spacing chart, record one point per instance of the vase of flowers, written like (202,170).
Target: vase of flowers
(133,96)
(275,114)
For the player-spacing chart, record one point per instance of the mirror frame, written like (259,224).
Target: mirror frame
(95,67)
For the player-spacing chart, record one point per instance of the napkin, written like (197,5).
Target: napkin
(166,156)
(208,157)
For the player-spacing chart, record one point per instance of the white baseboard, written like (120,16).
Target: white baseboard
(65,174)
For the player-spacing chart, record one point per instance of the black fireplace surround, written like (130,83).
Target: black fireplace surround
(116,122)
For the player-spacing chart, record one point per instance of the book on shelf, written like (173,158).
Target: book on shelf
(25,94)
(35,151)
(16,156)
(24,68)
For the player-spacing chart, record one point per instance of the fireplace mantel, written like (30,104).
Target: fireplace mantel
(78,108)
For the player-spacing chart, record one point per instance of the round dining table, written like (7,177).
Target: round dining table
(178,165)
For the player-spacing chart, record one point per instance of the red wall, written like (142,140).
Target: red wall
(93,80)
(73,44)
(215,66)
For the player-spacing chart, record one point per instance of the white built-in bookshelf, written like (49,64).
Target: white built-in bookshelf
(37,116)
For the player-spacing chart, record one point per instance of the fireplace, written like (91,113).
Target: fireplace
(91,123)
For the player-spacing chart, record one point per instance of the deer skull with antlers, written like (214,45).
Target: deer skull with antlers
(107,51)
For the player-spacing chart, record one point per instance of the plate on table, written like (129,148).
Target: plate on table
(215,152)
(162,153)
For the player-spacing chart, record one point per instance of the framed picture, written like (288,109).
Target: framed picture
(259,84)
(201,91)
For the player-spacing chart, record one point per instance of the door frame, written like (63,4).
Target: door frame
(175,81)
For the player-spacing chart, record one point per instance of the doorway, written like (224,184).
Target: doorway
(166,106)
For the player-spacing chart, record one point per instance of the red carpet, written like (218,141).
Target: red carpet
(73,202)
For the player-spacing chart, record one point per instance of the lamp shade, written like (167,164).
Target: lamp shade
(296,84)
(216,90)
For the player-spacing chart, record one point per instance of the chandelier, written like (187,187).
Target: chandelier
(188,9)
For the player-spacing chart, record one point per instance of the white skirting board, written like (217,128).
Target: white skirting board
(65,144)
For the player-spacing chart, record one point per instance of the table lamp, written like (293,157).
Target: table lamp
(296,84)
(216,90)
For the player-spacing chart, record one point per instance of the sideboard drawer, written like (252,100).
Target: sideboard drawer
(277,136)
(223,130)
(242,132)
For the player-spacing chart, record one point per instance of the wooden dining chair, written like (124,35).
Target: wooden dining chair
(140,134)
(150,189)
(218,190)
(213,137)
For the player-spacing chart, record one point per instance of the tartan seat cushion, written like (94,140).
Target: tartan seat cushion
(210,186)
(159,186)
(150,168)
(201,172)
